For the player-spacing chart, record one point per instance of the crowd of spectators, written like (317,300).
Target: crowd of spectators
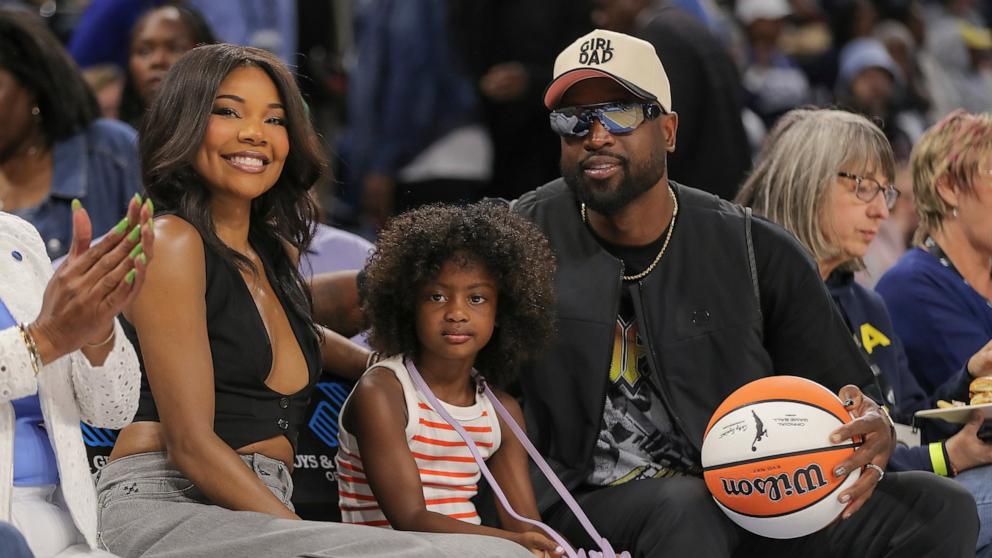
(416,102)
(440,100)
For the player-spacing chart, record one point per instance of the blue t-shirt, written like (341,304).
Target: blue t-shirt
(940,318)
(34,460)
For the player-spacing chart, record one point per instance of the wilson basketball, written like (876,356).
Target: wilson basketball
(768,460)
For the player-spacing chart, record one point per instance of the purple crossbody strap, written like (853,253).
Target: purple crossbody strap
(604,545)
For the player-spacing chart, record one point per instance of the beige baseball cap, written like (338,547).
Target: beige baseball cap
(631,62)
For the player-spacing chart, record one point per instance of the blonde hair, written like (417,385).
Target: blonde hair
(800,160)
(950,150)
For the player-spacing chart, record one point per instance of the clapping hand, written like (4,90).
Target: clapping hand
(95,283)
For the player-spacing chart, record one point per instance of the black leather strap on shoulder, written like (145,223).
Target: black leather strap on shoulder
(752,267)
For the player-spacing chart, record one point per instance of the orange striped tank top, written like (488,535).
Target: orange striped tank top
(448,472)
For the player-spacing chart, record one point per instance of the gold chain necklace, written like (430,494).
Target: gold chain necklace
(668,236)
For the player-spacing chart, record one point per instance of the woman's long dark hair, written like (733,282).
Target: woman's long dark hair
(132,105)
(172,133)
(34,56)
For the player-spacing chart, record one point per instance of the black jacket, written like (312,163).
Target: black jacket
(698,312)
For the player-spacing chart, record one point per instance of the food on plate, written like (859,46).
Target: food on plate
(980,390)
(941,404)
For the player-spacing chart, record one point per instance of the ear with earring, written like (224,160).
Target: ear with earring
(36,115)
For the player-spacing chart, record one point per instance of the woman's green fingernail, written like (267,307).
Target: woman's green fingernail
(136,251)
(120,227)
(142,258)
(137,198)
(135,234)
(150,206)
(76,204)
(129,278)
(151,222)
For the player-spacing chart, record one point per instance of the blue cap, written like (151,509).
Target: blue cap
(862,54)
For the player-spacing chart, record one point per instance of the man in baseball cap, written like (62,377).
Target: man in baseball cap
(668,299)
(629,61)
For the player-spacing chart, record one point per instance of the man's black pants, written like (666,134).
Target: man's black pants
(910,515)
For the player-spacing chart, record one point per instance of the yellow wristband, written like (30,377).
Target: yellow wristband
(937,459)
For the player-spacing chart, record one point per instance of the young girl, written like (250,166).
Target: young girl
(448,289)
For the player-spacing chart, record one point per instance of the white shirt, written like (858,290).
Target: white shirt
(69,388)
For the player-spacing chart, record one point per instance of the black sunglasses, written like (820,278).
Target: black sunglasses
(617,118)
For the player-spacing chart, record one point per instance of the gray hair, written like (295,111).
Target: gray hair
(800,160)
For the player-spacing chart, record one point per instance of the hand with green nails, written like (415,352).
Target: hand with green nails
(94,284)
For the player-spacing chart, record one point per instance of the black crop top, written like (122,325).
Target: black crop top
(245,409)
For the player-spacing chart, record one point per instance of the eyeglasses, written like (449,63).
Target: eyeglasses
(867,188)
(617,118)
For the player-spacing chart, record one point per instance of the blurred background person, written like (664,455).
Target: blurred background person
(509,47)
(159,37)
(101,34)
(712,152)
(103,31)
(415,133)
(868,82)
(846,20)
(958,44)
(107,83)
(939,292)
(53,146)
(914,96)
(773,82)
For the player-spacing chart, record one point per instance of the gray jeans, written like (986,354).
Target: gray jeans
(148,509)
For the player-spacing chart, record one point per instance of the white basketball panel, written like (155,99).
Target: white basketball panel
(799,523)
(767,429)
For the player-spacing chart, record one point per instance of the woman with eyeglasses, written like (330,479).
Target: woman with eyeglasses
(825,176)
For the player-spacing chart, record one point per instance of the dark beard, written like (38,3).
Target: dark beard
(634,181)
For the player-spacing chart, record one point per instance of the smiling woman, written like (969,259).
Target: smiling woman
(228,348)
(246,143)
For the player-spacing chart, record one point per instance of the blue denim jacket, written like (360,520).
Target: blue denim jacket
(100,167)
(407,87)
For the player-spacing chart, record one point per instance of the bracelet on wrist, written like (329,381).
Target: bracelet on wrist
(947,457)
(113,333)
(31,347)
(888,418)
